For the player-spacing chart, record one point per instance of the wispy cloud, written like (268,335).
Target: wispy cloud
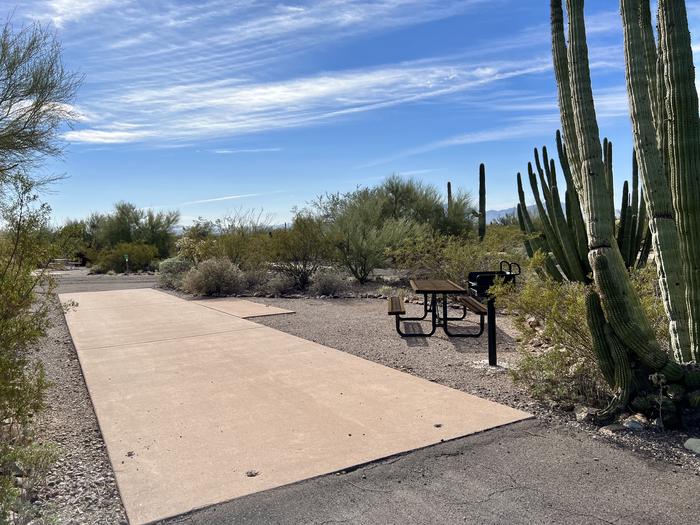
(215,199)
(205,110)
(249,150)
(224,198)
(522,128)
(61,12)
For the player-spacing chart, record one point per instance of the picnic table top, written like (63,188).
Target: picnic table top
(436,286)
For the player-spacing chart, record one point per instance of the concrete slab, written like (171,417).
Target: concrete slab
(193,420)
(112,318)
(241,307)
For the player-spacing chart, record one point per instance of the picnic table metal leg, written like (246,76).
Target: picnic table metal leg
(426,311)
(491,314)
(446,328)
(433,320)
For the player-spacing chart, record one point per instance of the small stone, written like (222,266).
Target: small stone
(693,444)
(609,430)
(635,422)
(533,322)
(252,473)
(584,413)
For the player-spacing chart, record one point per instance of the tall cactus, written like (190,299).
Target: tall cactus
(563,235)
(482,201)
(449,198)
(629,340)
(640,73)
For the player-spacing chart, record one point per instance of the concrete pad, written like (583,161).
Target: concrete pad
(106,319)
(211,417)
(241,307)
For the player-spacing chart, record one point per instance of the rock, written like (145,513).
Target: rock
(693,444)
(533,322)
(609,430)
(635,422)
(584,413)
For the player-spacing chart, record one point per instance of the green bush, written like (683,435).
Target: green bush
(553,314)
(281,284)
(256,280)
(172,271)
(24,250)
(217,276)
(141,257)
(435,255)
(363,239)
(299,251)
(328,282)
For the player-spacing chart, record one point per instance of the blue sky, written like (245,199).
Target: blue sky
(217,105)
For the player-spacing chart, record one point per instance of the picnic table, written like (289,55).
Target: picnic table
(436,296)
(437,293)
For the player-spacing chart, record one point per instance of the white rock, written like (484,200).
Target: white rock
(608,430)
(693,444)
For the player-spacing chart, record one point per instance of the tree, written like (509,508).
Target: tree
(35,96)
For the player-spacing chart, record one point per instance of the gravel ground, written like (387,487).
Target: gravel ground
(81,487)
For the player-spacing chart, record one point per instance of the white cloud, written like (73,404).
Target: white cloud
(249,150)
(202,110)
(61,12)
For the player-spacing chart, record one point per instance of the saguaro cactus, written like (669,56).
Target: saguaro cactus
(482,201)
(629,342)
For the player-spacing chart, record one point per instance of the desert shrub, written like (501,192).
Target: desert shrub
(436,255)
(127,224)
(140,256)
(328,282)
(414,200)
(217,276)
(256,280)
(551,315)
(281,284)
(364,239)
(172,271)
(300,250)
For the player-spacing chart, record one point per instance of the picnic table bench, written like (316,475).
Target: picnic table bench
(468,298)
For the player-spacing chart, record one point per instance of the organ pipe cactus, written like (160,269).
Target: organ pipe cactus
(666,130)
(562,235)
(482,202)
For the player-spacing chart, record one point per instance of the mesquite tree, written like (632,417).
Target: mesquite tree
(664,110)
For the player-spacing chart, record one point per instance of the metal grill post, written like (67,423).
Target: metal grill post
(491,331)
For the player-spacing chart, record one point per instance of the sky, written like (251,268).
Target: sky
(214,106)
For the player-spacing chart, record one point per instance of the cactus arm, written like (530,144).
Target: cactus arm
(609,180)
(633,248)
(596,325)
(644,250)
(482,202)
(561,74)
(642,224)
(622,307)
(657,191)
(683,128)
(576,219)
(624,207)
(537,241)
(548,230)
(563,231)
(651,58)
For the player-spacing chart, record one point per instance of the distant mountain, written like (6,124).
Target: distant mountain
(493,215)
